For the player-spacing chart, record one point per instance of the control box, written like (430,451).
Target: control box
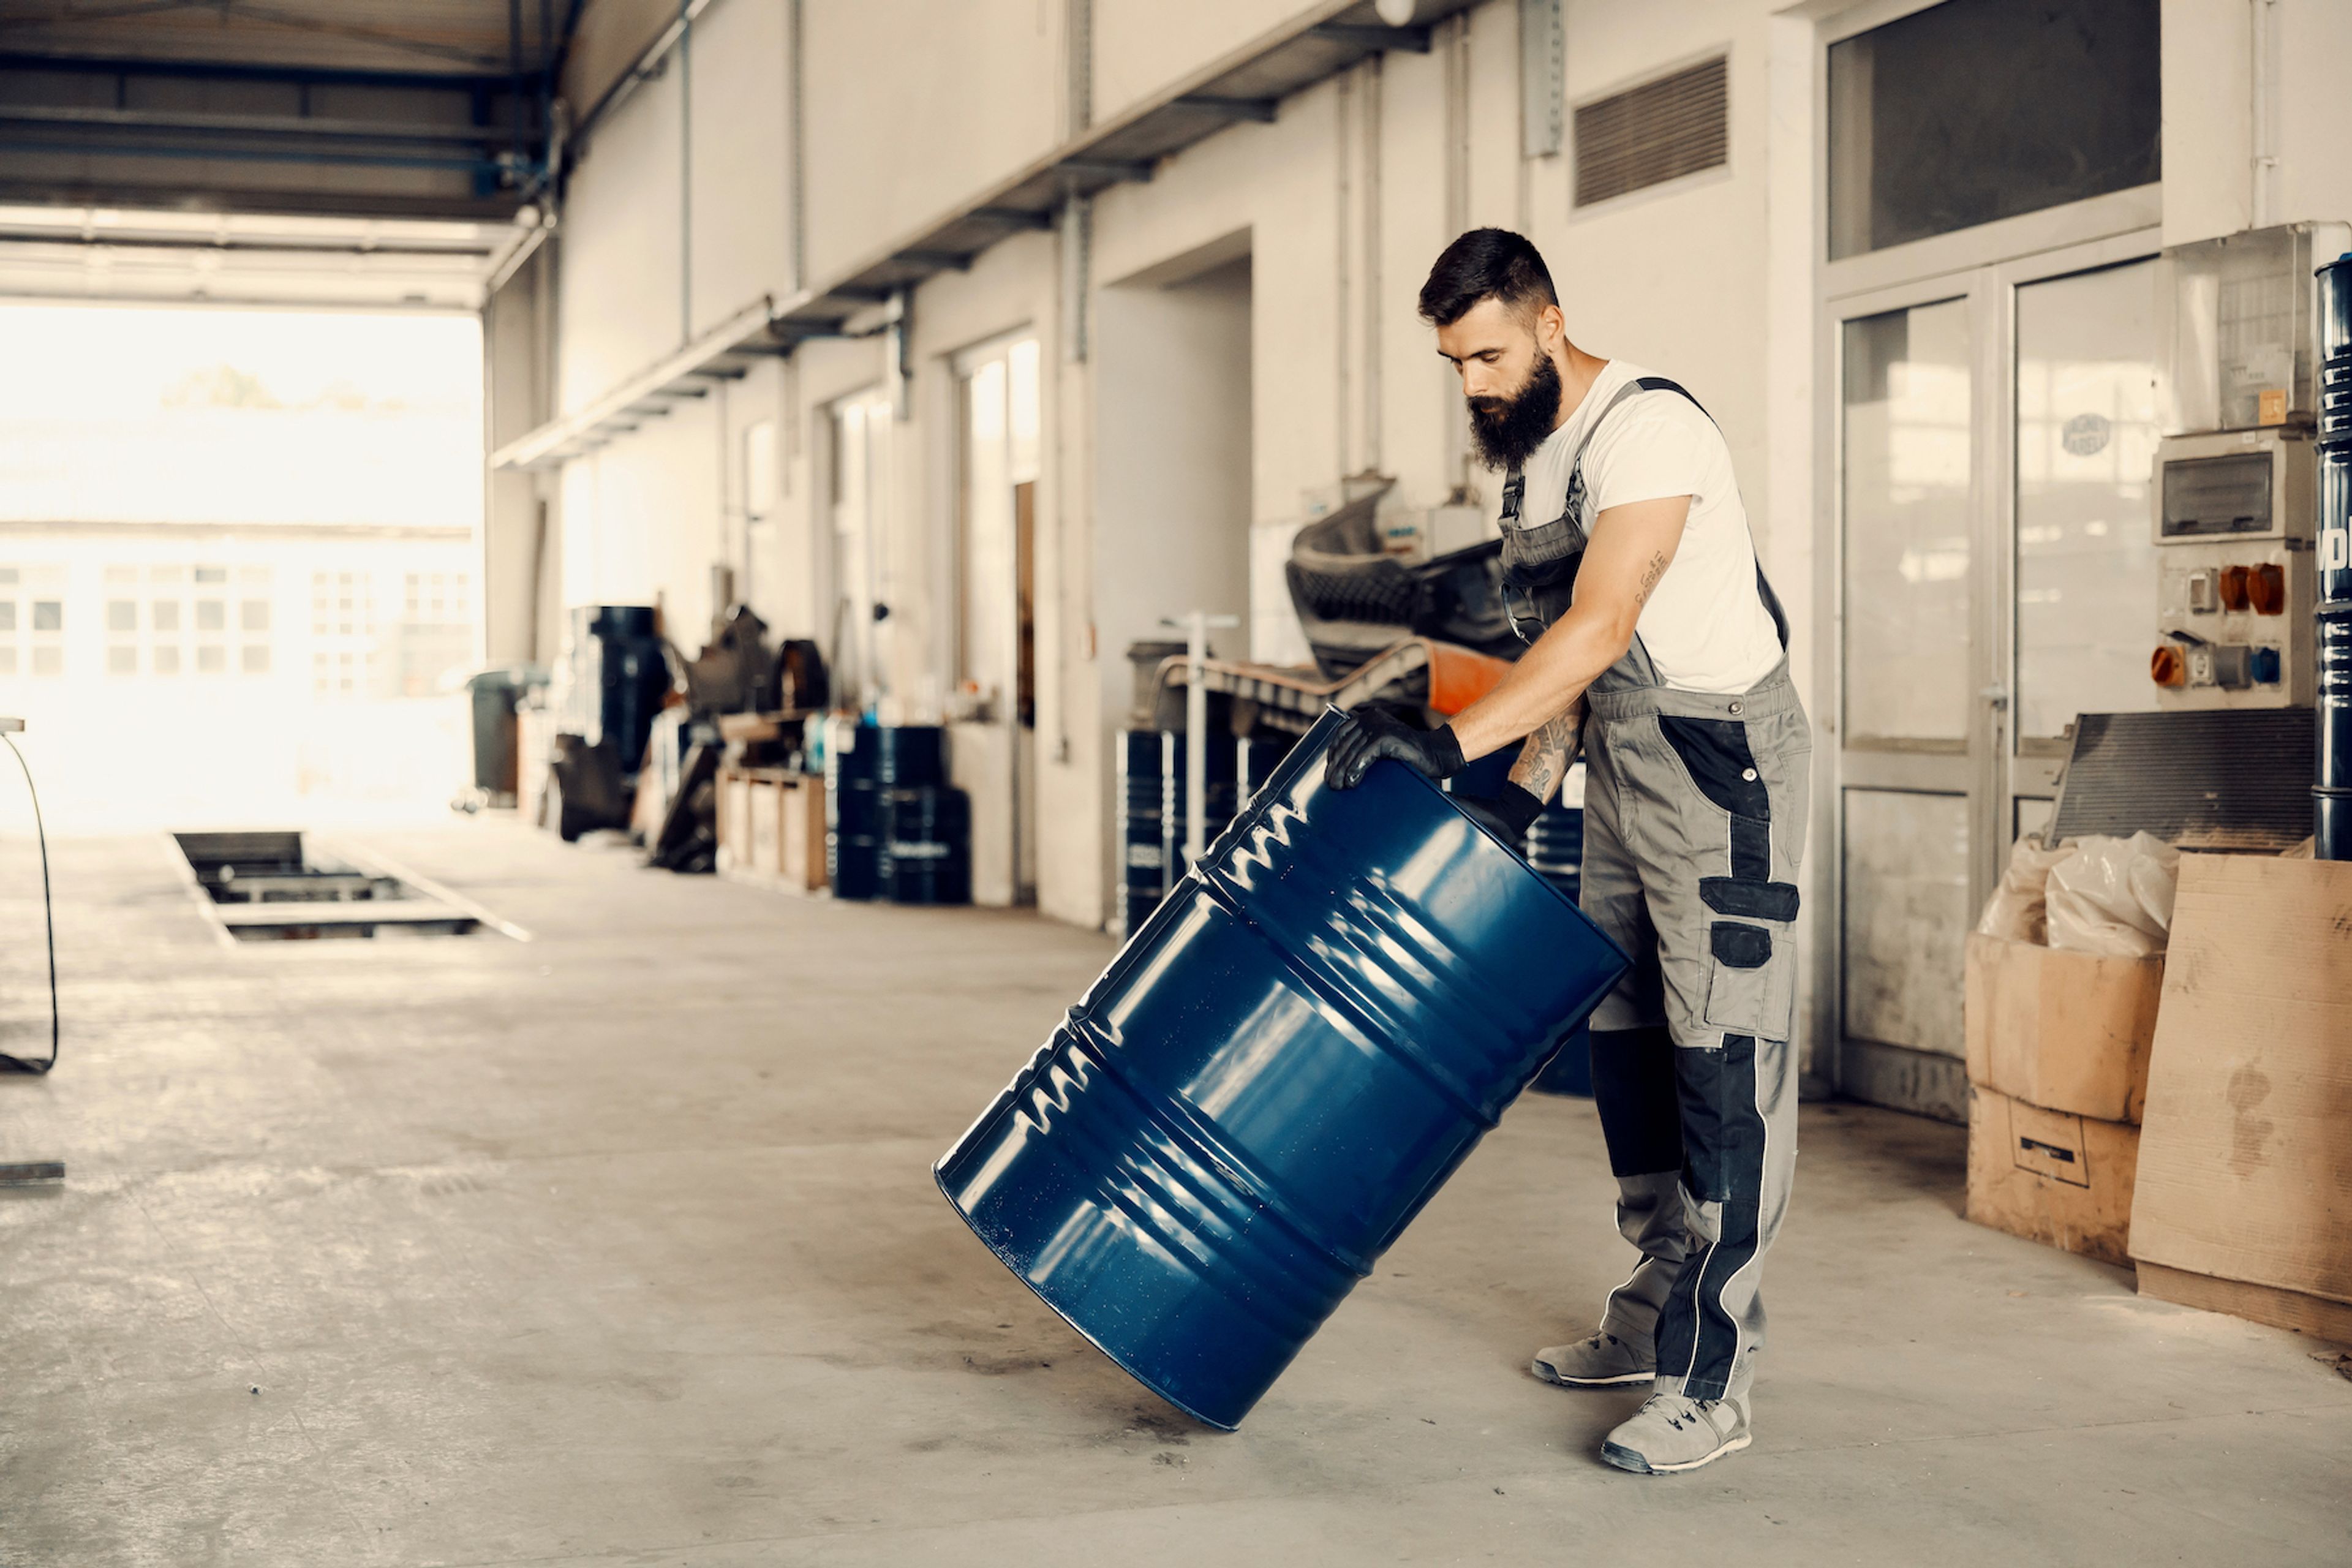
(2233,516)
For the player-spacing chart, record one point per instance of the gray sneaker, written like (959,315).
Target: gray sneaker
(1673,1432)
(1604,1361)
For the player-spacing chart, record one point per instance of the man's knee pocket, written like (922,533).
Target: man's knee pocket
(1751,956)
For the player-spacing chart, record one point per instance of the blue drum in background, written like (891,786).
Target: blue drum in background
(1143,858)
(1273,1075)
(1570,1071)
(852,809)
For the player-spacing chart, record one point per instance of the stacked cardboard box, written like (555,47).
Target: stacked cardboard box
(2245,1200)
(2058,1050)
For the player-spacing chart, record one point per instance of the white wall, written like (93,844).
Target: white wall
(740,162)
(911,105)
(1141,46)
(1709,280)
(1174,444)
(622,301)
(2315,111)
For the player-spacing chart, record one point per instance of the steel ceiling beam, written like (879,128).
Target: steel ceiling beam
(290,125)
(291,75)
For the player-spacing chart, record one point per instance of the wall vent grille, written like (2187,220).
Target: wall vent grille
(1649,134)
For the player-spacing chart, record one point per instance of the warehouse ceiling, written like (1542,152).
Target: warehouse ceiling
(327,35)
(332,151)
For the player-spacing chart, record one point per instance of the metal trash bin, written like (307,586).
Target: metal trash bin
(498,740)
(1273,1075)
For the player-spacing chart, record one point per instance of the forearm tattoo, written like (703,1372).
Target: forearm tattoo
(1650,575)
(1544,760)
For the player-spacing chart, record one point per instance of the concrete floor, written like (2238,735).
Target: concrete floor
(621,1247)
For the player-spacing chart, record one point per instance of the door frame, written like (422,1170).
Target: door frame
(1991,769)
(1018,774)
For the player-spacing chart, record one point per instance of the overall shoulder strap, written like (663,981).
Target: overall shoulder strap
(1763,585)
(1660,383)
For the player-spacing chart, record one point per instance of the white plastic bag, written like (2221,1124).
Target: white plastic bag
(2015,910)
(2112,897)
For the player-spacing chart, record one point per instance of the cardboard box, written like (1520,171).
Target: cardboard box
(2052,1176)
(2314,1315)
(2246,1159)
(2065,1031)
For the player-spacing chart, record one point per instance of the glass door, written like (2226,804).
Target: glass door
(1992,438)
(1914,741)
(2083,432)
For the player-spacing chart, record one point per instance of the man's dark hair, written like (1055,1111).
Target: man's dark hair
(1486,264)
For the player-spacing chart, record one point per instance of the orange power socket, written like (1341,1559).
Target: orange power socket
(2266,588)
(2166,666)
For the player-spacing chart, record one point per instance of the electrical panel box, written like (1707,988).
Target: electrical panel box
(2232,518)
(2237,320)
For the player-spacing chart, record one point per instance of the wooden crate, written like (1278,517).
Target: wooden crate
(771,828)
(733,823)
(765,811)
(800,827)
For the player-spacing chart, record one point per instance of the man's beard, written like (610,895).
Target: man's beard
(1506,432)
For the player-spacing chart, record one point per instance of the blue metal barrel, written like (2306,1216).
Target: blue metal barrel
(909,756)
(1273,1075)
(925,846)
(1143,859)
(2335,350)
(1220,768)
(1254,760)
(852,810)
(1555,846)
(2331,789)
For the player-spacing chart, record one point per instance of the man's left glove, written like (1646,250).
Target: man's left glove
(1370,735)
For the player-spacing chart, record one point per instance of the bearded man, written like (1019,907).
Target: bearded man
(1658,649)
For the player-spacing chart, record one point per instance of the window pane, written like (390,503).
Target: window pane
(49,615)
(123,659)
(1977,109)
(212,616)
(122,615)
(1907,458)
(256,658)
(212,660)
(49,659)
(167,615)
(7,659)
(2086,435)
(253,616)
(167,660)
(7,614)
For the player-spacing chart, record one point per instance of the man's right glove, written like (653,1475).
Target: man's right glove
(1506,814)
(1369,735)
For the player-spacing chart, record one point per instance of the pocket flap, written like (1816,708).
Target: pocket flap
(1757,901)
(1740,946)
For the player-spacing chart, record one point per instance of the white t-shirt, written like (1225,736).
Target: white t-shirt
(1705,627)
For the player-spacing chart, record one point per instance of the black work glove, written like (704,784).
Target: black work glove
(1371,734)
(1506,814)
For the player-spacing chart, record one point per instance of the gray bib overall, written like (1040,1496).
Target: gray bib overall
(1694,810)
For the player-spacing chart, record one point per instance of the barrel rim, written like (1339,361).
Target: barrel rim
(940,1180)
(1283,774)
